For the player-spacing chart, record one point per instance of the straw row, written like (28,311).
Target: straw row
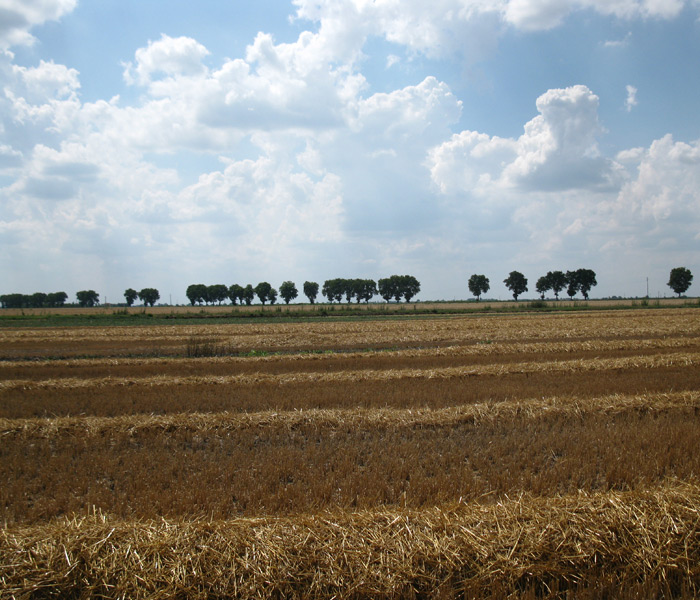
(478,349)
(347,419)
(535,326)
(593,364)
(645,540)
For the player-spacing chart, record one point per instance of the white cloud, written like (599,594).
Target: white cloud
(442,27)
(558,150)
(46,82)
(631,100)
(17,17)
(172,57)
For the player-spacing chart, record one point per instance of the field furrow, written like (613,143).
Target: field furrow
(637,362)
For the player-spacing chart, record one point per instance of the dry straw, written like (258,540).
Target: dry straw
(610,542)
(344,419)
(593,364)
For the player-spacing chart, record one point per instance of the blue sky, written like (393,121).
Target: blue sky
(236,142)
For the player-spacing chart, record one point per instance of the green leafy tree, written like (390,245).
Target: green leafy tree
(262,291)
(87,298)
(679,280)
(248,294)
(14,300)
(557,282)
(572,284)
(365,289)
(333,289)
(311,291)
(196,292)
(288,291)
(349,289)
(235,293)
(387,288)
(479,284)
(542,286)
(272,296)
(516,282)
(217,292)
(37,300)
(149,296)
(586,280)
(409,286)
(55,299)
(130,295)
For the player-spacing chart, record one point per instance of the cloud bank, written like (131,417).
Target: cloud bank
(284,163)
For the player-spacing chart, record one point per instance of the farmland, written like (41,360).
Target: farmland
(479,455)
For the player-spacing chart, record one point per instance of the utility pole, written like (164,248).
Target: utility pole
(647,287)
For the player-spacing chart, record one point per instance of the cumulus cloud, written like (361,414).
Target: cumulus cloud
(17,17)
(466,26)
(168,56)
(558,150)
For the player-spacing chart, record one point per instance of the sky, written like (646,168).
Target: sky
(151,144)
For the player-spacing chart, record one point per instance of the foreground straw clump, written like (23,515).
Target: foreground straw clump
(591,544)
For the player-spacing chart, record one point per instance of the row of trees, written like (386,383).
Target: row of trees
(36,300)
(581,280)
(396,287)
(52,300)
(149,296)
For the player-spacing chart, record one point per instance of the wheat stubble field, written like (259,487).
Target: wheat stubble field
(482,456)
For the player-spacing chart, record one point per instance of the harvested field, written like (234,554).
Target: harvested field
(484,457)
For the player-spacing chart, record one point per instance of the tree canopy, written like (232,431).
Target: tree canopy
(679,280)
(264,292)
(397,287)
(87,298)
(479,284)
(311,290)
(288,291)
(149,296)
(516,282)
(130,295)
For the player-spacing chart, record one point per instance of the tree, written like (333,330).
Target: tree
(149,296)
(479,284)
(248,294)
(88,298)
(557,282)
(333,289)
(262,290)
(572,284)
(365,289)
(311,290)
(586,280)
(14,300)
(387,288)
(217,292)
(272,296)
(348,289)
(130,295)
(409,286)
(679,280)
(288,291)
(516,282)
(235,293)
(37,300)
(196,293)
(55,299)
(542,286)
